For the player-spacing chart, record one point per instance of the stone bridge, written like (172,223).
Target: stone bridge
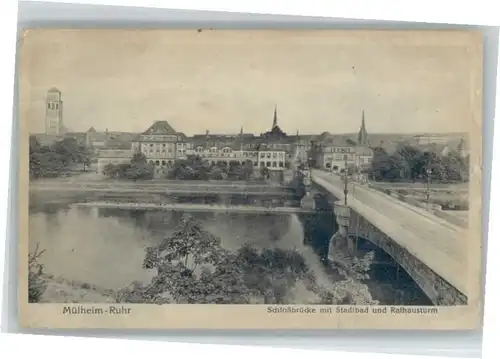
(428,248)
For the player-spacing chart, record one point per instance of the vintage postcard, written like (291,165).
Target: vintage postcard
(295,179)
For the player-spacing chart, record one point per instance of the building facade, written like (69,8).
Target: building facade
(222,149)
(335,152)
(54,113)
(430,139)
(272,160)
(114,157)
(162,145)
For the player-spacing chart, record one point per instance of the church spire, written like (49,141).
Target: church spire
(362,134)
(275,117)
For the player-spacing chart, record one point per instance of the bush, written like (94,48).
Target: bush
(36,283)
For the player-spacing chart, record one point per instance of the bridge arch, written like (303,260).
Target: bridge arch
(389,280)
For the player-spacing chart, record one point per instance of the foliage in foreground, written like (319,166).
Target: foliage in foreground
(36,283)
(192,267)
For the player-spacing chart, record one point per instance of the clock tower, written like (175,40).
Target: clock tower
(53,112)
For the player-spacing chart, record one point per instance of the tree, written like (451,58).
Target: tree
(270,273)
(264,172)
(110,170)
(192,168)
(216,173)
(137,170)
(36,283)
(248,170)
(68,149)
(194,268)
(138,159)
(389,167)
(415,162)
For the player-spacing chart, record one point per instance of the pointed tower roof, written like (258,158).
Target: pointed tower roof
(362,134)
(91,129)
(461,145)
(275,117)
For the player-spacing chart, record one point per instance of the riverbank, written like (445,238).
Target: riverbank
(62,290)
(194,207)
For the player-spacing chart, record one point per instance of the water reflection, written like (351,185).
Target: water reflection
(106,247)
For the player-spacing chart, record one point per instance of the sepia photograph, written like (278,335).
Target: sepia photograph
(315,174)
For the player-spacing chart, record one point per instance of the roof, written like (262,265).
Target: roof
(98,136)
(91,129)
(118,144)
(53,89)
(220,141)
(160,128)
(336,140)
(276,131)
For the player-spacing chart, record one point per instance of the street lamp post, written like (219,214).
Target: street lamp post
(345,180)
(428,171)
(343,218)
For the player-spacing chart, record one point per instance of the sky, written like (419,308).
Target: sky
(222,80)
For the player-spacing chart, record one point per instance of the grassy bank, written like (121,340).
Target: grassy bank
(62,290)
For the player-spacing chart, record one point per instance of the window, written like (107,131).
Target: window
(163,163)
(328,165)
(274,163)
(268,164)
(157,162)
(282,164)
(275,155)
(268,155)
(150,145)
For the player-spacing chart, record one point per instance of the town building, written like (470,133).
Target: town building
(114,157)
(54,113)
(334,152)
(96,140)
(223,149)
(162,145)
(430,139)
(275,142)
(272,160)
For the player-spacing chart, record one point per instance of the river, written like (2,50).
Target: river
(106,247)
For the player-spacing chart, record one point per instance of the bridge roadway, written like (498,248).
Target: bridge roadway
(157,188)
(194,207)
(435,242)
